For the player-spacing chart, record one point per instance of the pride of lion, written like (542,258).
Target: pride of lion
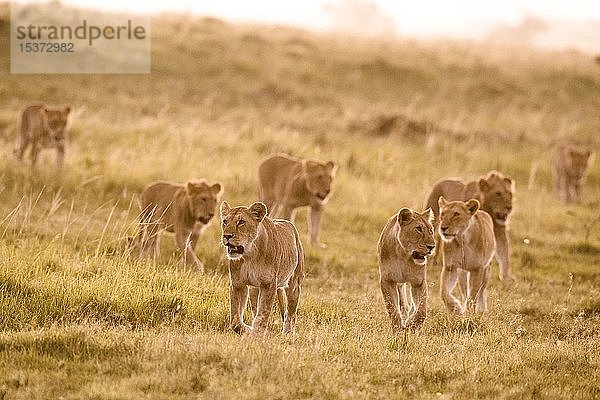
(466,222)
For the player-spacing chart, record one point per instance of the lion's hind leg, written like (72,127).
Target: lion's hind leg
(292,298)
(282,303)
(149,241)
(21,147)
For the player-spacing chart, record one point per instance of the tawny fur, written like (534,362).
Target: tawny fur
(494,192)
(267,256)
(182,209)
(287,183)
(403,249)
(467,244)
(570,163)
(42,127)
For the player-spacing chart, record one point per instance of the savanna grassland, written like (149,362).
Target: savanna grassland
(80,320)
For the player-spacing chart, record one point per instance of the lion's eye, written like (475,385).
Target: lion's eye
(456,214)
(204,199)
(224,222)
(419,229)
(241,222)
(498,194)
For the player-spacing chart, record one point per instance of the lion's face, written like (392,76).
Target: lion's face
(416,234)
(578,161)
(240,227)
(203,199)
(56,120)
(319,178)
(455,217)
(497,191)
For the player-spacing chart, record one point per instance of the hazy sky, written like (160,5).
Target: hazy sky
(448,18)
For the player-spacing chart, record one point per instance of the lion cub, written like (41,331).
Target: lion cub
(286,183)
(266,254)
(42,127)
(494,192)
(184,210)
(402,251)
(468,244)
(570,164)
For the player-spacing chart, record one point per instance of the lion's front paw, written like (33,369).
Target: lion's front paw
(456,309)
(288,331)
(507,278)
(196,264)
(241,328)
(414,323)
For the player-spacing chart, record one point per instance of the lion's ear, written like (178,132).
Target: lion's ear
(429,215)
(442,201)
(217,189)
(258,211)
(308,165)
(304,166)
(483,185)
(472,206)
(332,167)
(190,187)
(404,216)
(225,208)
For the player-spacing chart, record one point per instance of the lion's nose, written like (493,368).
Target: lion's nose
(210,215)
(430,247)
(444,228)
(228,236)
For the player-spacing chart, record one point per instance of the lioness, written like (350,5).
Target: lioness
(495,194)
(181,209)
(43,126)
(402,251)
(570,164)
(286,183)
(263,253)
(468,243)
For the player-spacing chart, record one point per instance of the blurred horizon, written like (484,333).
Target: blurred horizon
(551,24)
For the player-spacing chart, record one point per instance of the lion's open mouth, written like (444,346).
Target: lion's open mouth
(233,250)
(447,237)
(418,257)
(500,218)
